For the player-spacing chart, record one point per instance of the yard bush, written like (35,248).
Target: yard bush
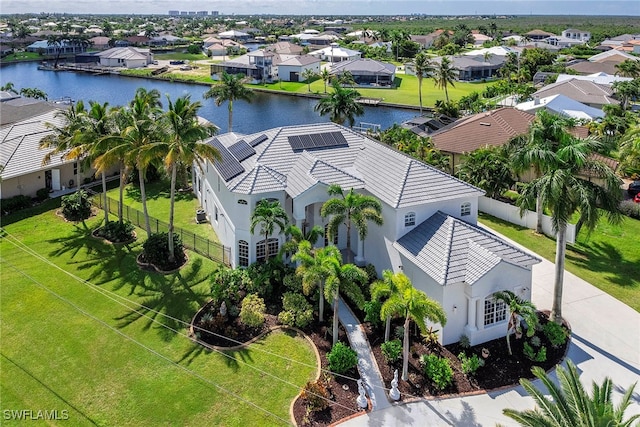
(556,334)
(15,203)
(292,282)
(630,209)
(296,310)
(156,251)
(470,364)
(267,276)
(252,311)
(315,395)
(342,358)
(229,285)
(391,350)
(116,231)
(42,194)
(372,312)
(532,354)
(438,370)
(76,206)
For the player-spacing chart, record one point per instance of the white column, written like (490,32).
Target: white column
(471,316)
(359,259)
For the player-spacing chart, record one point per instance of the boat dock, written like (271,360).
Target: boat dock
(369,101)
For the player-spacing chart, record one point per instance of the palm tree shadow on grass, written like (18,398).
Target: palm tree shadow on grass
(156,191)
(77,239)
(232,359)
(604,257)
(172,295)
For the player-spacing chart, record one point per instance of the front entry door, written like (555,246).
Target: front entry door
(55,179)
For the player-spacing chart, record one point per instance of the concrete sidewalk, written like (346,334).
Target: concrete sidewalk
(605,343)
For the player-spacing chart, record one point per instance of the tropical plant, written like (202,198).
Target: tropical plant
(534,355)
(488,168)
(628,68)
(518,309)
(412,305)
(566,188)
(308,74)
(424,68)
(230,88)
(351,208)
(385,288)
(295,236)
(471,364)
(156,251)
(569,404)
(252,311)
(35,93)
(76,206)
(116,231)
(268,215)
(341,105)
(326,76)
(391,350)
(342,358)
(315,395)
(444,75)
(296,310)
(438,370)
(10,87)
(556,334)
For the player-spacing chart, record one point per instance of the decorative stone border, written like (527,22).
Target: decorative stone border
(146,265)
(109,242)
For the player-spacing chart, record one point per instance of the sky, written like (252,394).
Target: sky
(328,7)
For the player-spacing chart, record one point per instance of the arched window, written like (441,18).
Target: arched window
(410,219)
(242,202)
(261,249)
(243,253)
(465,209)
(334,240)
(494,311)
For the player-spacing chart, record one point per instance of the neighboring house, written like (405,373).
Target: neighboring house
(258,66)
(429,229)
(479,39)
(324,39)
(599,78)
(128,57)
(165,40)
(588,93)
(236,35)
(494,51)
(223,47)
(563,42)
(367,72)
(293,69)
(138,40)
(537,35)
(64,48)
(614,56)
(100,42)
(562,106)
(476,67)
(335,53)
(619,40)
(588,67)
(286,48)
(491,128)
(425,41)
(580,35)
(425,125)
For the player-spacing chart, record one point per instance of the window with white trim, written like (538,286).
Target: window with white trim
(243,253)
(272,246)
(410,219)
(494,311)
(465,209)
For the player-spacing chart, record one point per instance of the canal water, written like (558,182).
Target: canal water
(264,112)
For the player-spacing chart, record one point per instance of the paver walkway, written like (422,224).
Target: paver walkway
(366,363)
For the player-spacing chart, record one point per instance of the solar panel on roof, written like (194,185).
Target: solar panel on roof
(241,150)
(258,140)
(228,167)
(317,140)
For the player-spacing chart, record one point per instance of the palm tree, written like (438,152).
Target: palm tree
(566,188)
(424,68)
(10,87)
(411,304)
(385,288)
(341,105)
(444,75)
(182,146)
(488,168)
(35,93)
(314,268)
(570,405)
(308,74)
(295,236)
(351,208)
(230,88)
(534,150)
(346,279)
(628,68)
(518,308)
(326,76)
(626,90)
(268,215)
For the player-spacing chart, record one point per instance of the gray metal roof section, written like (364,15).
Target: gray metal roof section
(451,251)
(396,179)
(20,151)
(260,179)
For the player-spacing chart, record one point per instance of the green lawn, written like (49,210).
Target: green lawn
(608,259)
(54,357)
(158,206)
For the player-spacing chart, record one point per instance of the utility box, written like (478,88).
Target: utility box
(201,216)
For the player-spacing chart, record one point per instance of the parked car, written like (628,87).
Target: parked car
(634,188)
(176,62)
(637,198)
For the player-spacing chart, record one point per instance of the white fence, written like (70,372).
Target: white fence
(511,214)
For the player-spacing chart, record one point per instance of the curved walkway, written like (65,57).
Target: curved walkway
(605,342)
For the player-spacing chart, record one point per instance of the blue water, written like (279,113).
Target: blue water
(264,112)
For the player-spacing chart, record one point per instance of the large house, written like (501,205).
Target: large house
(367,72)
(429,229)
(128,57)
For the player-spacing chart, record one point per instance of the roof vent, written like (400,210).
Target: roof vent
(485,124)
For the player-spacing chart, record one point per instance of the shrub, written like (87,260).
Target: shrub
(630,208)
(535,341)
(292,282)
(470,364)
(42,194)
(399,332)
(267,276)
(315,396)
(438,370)
(464,341)
(229,285)
(531,354)
(296,310)
(116,231)
(156,250)
(76,206)
(556,334)
(15,203)
(342,358)
(391,350)
(252,311)
(372,312)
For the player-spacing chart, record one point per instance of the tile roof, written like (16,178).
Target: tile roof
(450,250)
(124,53)
(396,179)
(580,90)
(364,66)
(492,128)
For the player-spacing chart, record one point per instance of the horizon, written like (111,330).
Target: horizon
(331,8)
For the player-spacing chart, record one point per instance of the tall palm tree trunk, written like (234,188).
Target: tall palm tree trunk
(387,329)
(143,198)
(561,244)
(446,93)
(230,114)
(266,247)
(539,214)
(420,93)
(321,304)
(104,198)
(123,178)
(405,349)
(174,174)
(335,317)
(349,254)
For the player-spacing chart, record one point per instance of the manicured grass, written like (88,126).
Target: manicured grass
(158,199)
(180,55)
(22,56)
(609,258)
(54,357)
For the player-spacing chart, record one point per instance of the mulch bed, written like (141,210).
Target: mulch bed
(500,369)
